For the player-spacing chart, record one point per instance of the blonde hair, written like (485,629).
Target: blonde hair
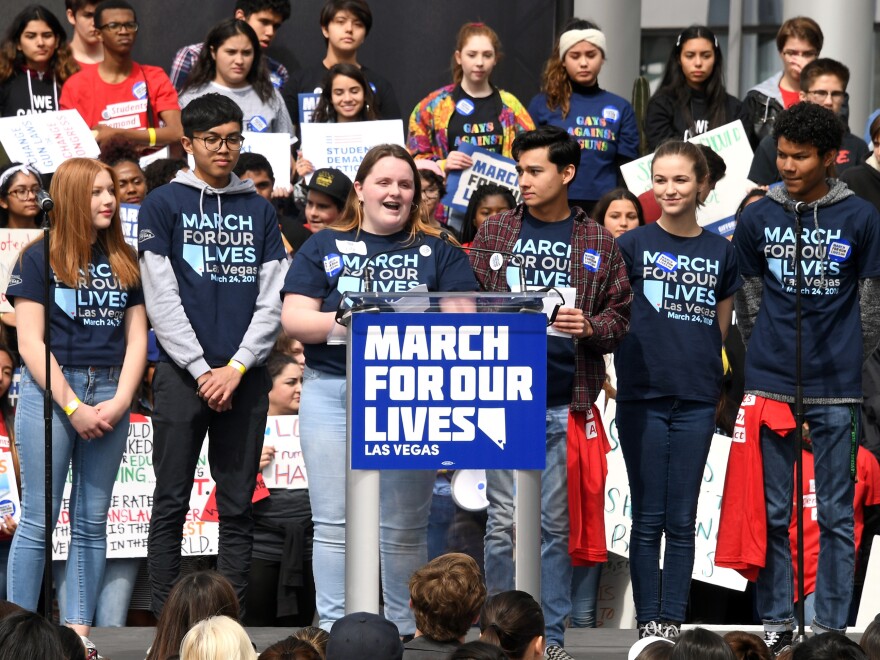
(352,216)
(217,638)
(70,251)
(467,31)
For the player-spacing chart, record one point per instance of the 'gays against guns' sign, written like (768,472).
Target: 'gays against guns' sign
(488,167)
(433,391)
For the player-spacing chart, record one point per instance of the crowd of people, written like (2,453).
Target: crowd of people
(227,313)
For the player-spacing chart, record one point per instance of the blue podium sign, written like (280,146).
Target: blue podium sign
(448,390)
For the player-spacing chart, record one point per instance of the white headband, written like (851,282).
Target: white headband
(570,38)
(19,169)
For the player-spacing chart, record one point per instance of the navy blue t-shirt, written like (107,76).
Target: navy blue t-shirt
(216,258)
(673,347)
(842,250)
(329,264)
(546,249)
(86,323)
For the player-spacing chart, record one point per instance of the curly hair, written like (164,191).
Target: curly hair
(61,64)
(808,123)
(447,594)
(118,150)
(555,82)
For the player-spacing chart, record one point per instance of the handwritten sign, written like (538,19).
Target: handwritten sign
(731,143)
(287,469)
(618,505)
(47,139)
(11,243)
(487,167)
(343,146)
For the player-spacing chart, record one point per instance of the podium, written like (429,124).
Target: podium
(442,381)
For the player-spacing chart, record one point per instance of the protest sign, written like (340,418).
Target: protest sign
(11,243)
(731,143)
(128,214)
(287,469)
(488,167)
(433,391)
(276,148)
(343,146)
(47,139)
(618,506)
(307,104)
(9,502)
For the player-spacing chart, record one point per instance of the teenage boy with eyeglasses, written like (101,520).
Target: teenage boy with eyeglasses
(822,82)
(119,97)
(212,265)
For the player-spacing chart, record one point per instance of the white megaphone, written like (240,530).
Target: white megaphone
(469,490)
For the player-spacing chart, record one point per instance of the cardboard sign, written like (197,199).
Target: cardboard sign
(343,146)
(434,391)
(488,167)
(47,139)
(618,507)
(11,243)
(731,143)
(287,469)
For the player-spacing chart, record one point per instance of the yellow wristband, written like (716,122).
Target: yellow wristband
(235,364)
(152,133)
(71,407)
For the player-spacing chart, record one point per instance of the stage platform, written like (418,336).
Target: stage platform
(583,644)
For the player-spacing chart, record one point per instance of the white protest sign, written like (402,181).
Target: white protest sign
(870,603)
(618,506)
(11,243)
(9,502)
(287,469)
(343,146)
(276,148)
(731,143)
(47,139)
(128,521)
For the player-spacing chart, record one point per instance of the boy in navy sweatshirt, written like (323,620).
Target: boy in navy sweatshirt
(212,265)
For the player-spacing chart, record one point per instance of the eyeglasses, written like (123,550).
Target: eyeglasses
(431,193)
(23,193)
(822,94)
(131,26)
(213,142)
(803,54)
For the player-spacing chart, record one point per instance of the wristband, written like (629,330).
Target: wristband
(71,407)
(152,134)
(238,366)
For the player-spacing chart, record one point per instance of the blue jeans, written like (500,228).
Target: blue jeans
(94,467)
(555,561)
(584,595)
(831,430)
(114,597)
(404,505)
(665,444)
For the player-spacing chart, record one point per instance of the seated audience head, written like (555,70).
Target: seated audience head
(446,595)
(217,638)
(651,648)
(870,641)
(364,635)
(747,646)
(291,649)
(195,597)
(28,636)
(828,646)
(478,650)
(315,636)
(256,167)
(514,621)
(701,644)
(71,644)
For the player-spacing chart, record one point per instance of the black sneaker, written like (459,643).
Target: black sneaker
(555,652)
(650,629)
(670,629)
(778,641)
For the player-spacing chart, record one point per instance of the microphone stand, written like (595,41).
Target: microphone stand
(47,418)
(799,427)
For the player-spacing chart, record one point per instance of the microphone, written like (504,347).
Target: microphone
(367,273)
(44,201)
(495,259)
(796,207)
